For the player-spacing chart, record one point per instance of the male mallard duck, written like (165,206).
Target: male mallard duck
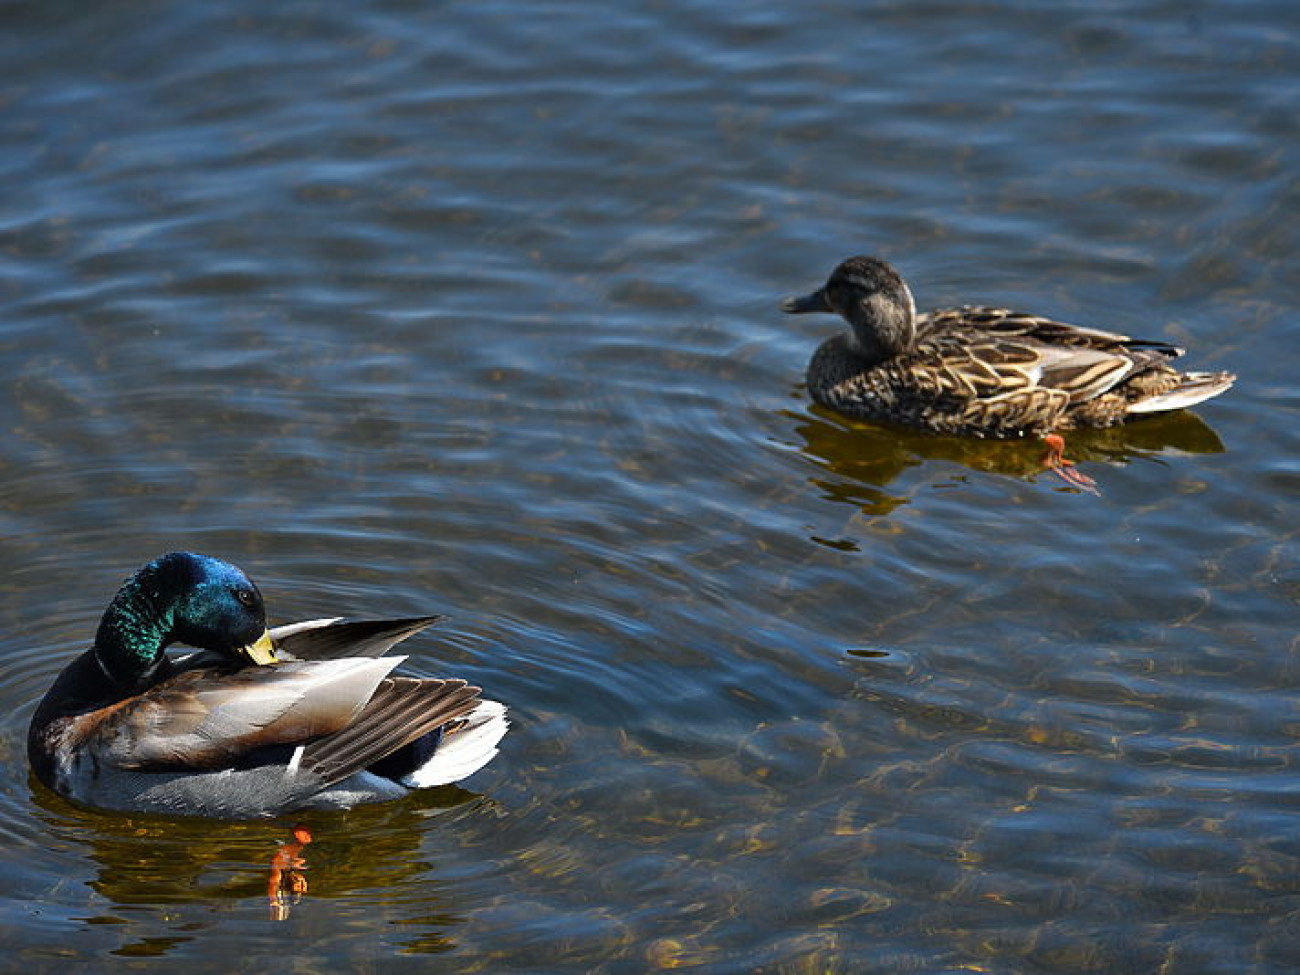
(317,724)
(984,372)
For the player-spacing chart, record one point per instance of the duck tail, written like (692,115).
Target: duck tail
(1192,388)
(463,751)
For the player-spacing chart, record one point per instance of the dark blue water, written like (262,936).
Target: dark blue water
(474,309)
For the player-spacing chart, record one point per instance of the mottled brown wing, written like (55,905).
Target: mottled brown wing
(1004,322)
(990,353)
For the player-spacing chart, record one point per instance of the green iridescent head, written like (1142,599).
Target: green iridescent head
(182,597)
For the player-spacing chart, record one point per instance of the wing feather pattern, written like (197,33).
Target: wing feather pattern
(402,710)
(207,720)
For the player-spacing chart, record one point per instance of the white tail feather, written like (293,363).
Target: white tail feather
(464,751)
(1196,387)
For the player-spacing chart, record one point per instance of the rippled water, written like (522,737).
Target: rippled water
(473,308)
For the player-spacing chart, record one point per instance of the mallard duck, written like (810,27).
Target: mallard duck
(257,723)
(984,372)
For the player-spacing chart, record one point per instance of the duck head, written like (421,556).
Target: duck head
(874,299)
(187,598)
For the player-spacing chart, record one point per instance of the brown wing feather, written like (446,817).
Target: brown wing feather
(1083,374)
(1005,322)
(402,710)
(206,719)
(330,639)
(989,352)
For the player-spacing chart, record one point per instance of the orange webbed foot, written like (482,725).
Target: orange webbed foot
(286,883)
(1054,459)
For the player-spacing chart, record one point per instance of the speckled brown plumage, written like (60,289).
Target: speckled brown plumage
(979,371)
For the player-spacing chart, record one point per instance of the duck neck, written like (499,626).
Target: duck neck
(884,325)
(136,628)
(865,346)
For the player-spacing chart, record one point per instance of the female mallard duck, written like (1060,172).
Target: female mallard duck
(984,372)
(319,724)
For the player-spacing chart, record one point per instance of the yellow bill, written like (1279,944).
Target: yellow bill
(260,652)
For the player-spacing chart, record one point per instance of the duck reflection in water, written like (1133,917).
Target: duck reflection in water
(147,866)
(864,459)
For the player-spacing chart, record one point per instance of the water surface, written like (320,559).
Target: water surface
(473,309)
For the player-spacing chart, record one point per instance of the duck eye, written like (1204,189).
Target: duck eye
(245,596)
